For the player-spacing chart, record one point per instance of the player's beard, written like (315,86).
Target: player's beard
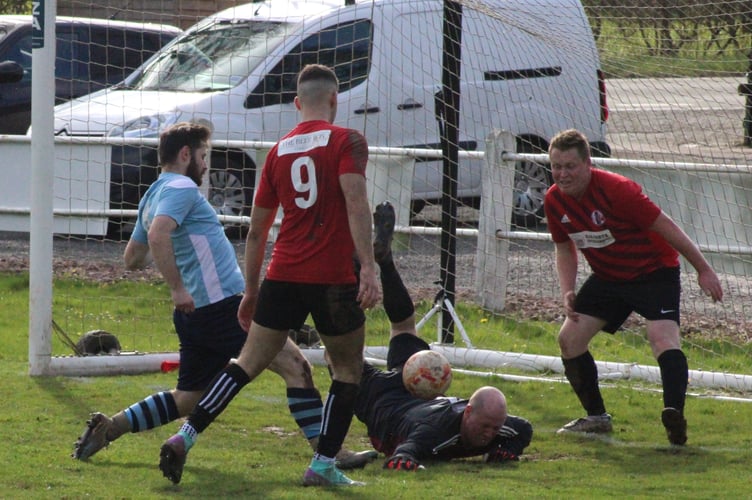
(195,172)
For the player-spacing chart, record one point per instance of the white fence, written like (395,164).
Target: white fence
(696,195)
(81,186)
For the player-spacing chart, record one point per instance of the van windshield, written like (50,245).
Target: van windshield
(217,57)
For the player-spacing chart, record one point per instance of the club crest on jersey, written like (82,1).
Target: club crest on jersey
(598,218)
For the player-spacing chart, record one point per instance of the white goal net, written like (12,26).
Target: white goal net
(661,89)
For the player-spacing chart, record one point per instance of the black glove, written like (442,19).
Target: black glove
(402,462)
(500,454)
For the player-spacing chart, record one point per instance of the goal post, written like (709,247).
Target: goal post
(42,178)
(664,101)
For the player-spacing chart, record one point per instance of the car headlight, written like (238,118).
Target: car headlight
(144,126)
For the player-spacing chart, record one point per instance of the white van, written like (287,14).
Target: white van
(530,67)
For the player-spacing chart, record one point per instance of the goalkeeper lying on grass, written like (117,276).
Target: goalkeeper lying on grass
(412,431)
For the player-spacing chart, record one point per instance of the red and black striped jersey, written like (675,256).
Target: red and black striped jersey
(609,224)
(302,174)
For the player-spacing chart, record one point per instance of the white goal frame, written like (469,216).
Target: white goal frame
(492,253)
(492,245)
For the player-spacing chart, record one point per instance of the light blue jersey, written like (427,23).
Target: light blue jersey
(204,256)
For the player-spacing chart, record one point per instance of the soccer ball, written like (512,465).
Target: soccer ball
(427,374)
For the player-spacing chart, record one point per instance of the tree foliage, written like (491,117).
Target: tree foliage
(665,26)
(15,6)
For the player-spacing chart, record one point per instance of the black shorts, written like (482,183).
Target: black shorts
(209,337)
(333,308)
(653,296)
(380,389)
(401,347)
(374,381)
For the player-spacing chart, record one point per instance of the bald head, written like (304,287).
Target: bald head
(485,414)
(490,401)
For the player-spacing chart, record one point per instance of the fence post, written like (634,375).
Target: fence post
(495,213)
(390,178)
(745,89)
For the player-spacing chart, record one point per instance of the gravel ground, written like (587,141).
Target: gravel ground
(102,261)
(532,291)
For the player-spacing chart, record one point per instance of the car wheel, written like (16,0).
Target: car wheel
(230,189)
(531,181)
(416,207)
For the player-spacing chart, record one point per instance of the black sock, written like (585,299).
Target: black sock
(583,376)
(337,417)
(397,302)
(223,388)
(675,377)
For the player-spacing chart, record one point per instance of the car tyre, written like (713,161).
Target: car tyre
(231,191)
(531,181)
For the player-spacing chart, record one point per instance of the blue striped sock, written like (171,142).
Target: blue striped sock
(305,407)
(153,411)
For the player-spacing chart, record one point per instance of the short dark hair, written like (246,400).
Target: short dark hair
(174,137)
(571,139)
(311,72)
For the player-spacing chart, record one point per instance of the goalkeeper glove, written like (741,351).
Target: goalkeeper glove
(402,462)
(500,454)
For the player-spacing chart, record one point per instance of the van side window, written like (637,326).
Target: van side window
(345,47)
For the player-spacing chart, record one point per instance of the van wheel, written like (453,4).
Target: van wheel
(416,207)
(230,190)
(531,181)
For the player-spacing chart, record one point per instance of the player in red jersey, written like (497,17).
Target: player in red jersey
(633,249)
(316,174)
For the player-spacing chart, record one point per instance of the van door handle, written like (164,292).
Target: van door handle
(363,110)
(409,104)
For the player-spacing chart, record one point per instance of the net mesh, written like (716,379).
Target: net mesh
(672,74)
